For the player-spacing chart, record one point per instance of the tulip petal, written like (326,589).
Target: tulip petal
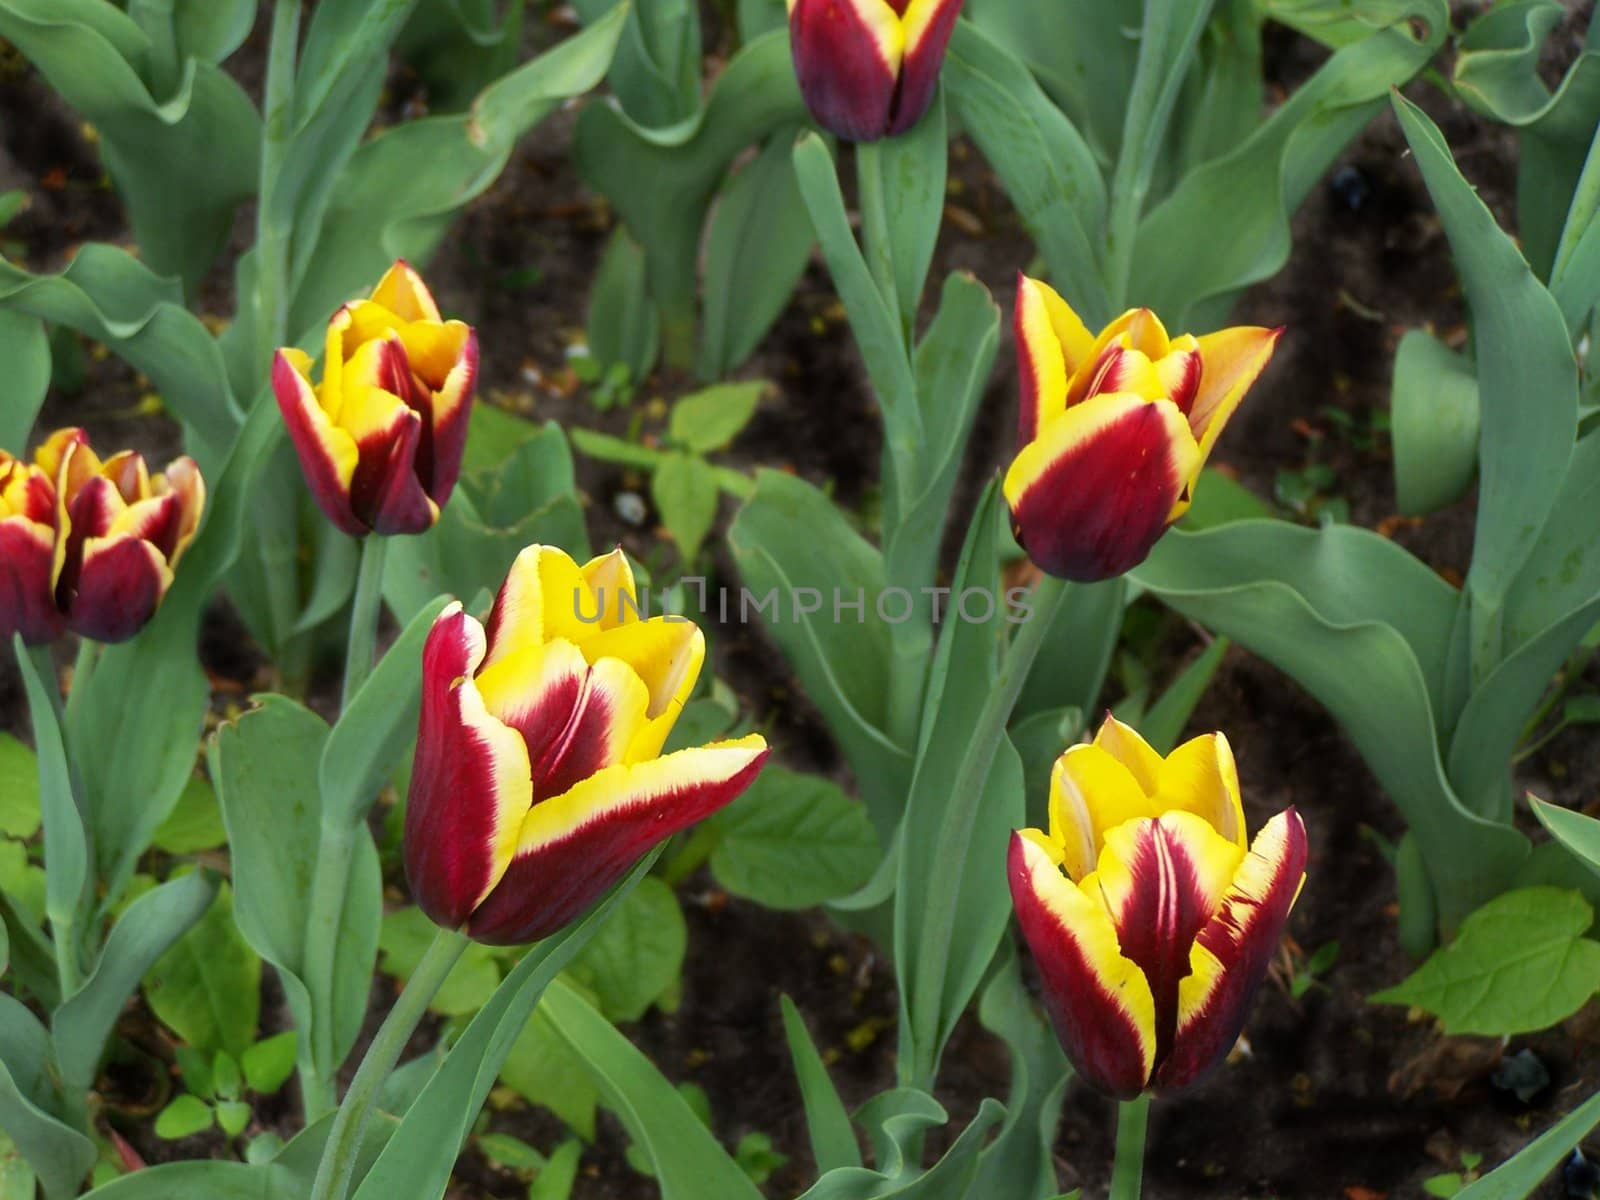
(1092,494)
(1127,745)
(1098,1000)
(1124,370)
(52,452)
(578,844)
(927,25)
(403,293)
(328,455)
(1232,953)
(26,491)
(1051,343)
(544,597)
(386,483)
(1200,777)
(117,587)
(445,426)
(184,480)
(470,784)
(616,594)
(1180,372)
(847,56)
(1232,360)
(27,600)
(1090,792)
(1162,879)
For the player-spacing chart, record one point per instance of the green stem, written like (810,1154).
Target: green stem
(350,1126)
(1127,1177)
(364,614)
(955,834)
(63,925)
(274,229)
(878,245)
(329,884)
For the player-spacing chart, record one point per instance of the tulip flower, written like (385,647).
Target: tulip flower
(539,777)
(87,545)
(381,437)
(1113,430)
(1151,919)
(868,69)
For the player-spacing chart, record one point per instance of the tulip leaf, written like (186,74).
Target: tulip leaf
(912,169)
(755,96)
(65,840)
(108,295)
(686,494)
(207,988)
(17,1180)
(898,1121)
(183,162)
(758,242)
(26,348)
(1520,1176)
(790,541)
(418,1156)
(1574,830)
(1527,382)
(1562,572)
(1164,723)
(58,1154)
(1019,1162)
(1071,669)
(543,1070)
(1047,167)
(833,1142)
(688,1161)
(383,208)
(623,324)
(636,958)
(374,733)
(1434,404)
(793,841)
(1253,189)
(1519,964)
(142,934)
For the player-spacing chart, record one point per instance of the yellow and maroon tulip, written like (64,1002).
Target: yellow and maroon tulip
(868,69)
(539,777)
(1113,430)
(381,437)
(88,545)
(1151,918)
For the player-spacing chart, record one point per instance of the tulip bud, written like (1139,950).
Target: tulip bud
(1151,919)
(87,545)
(381,437)
(539,778)
(868,69)
(1113,430)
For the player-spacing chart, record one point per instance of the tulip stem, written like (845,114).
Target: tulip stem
(1127,1177)
(955,833)
(329,885)
(364,613)
(350,1125)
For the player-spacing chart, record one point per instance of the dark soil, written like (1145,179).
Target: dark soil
(1333,1097)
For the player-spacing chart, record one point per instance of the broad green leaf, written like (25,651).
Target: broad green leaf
(19,789)
(793,841)
(1047,167)
(1253,190)
(1519,1177)
(1519,964)
(1434,408)
(833,1141)
(789,536)
(268,1064)
(423,1147)
(207,988)
(623,325)
(686,494)
(143,933)
(186,1116)
(406,935)
(709,419)
(689,1162)
(24,345)
(636,958)
(195,822)
(1527,384)
(543,1070)
(560,1172)
(758,242)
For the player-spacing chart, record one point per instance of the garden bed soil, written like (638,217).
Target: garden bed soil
(1329,1096)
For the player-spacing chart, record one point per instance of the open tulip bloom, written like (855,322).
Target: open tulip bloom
(1151,919)
(868,69)
(1113,430)
(87,545)
(539,777)
(381,437)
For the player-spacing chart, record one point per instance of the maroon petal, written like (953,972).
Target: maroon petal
(27,601)
(846,63)
(926,43)
(119,583)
